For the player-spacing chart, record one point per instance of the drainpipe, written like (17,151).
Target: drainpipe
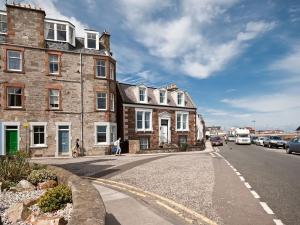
(81,104)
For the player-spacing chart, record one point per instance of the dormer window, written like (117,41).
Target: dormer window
(162,97)
(91,40)
(3,23)
(142,94)
(59,31)
(180,99)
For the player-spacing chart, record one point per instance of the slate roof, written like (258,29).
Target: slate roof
(128,96)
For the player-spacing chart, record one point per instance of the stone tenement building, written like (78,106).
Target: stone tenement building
(54,87)
(156,117)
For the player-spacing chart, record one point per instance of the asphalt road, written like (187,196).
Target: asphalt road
(273,174)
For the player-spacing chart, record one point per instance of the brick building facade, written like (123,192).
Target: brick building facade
(54,87)
(156,117)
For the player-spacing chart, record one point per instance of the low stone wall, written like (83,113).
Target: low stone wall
(88,206)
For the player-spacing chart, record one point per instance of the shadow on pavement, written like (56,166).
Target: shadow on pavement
(111,220)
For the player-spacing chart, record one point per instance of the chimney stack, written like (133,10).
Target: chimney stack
(105,40)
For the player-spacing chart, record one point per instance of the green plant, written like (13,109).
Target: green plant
(38,176)
(36,166)
(55,198)
(14,168)
(183,147)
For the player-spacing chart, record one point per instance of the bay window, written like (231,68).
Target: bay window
(100,68)
(112,71)
(59,31)
(112,102)
(105,133)
(91,40)
(101,101)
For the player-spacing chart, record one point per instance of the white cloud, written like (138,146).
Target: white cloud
(181,36)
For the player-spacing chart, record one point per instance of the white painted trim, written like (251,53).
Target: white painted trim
(187,124)
(108,131)
(57,124)
(143,110)
(159,107)
(164,117)
(31,125)
(4,13)
(97,107)
(67,24)
(183,98)
(5,124)
(86,39)
(146,94)
(166,96)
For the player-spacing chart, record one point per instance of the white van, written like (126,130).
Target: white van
(242,136)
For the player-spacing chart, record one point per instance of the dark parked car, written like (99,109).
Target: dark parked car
(216,141)
(274,141)
(293,146)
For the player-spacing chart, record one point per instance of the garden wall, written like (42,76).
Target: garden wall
(88,206)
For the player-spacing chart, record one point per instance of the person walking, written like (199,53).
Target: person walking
(76,149)
(117,144)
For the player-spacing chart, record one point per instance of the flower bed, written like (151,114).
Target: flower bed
(30,194)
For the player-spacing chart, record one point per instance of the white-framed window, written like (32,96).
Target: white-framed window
(14,60)
(53,64)
(112,102)
(100,68)
(91,40)
(182,121)
(142,94)
(3,23)
(180,99)
(59,31)
(105,133)
(14,97)
(112,71)
(101,100)
(143,120)
(54,99)
(162,97)
(38,134)
(144,143)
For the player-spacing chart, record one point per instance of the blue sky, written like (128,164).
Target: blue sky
(238,59)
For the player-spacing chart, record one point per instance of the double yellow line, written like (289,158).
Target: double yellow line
(170,205)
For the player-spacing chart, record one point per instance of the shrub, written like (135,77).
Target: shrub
(38,176)
(36,166)
(14,168)
(183,147)
(55,198)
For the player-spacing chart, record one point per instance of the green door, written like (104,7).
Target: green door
(11,142)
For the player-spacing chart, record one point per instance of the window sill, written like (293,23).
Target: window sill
(54,75)
(39,146)
(14,71)
(182,130)
(144,131)
(11,108)
(101,110)
(102,144)
(54,110)
(101,78)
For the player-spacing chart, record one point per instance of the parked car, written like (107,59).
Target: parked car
(274,141)
(231,138)
(293,146)
(260,141)
(216,141)
(253,139)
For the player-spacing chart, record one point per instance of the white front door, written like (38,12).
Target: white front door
(164,131)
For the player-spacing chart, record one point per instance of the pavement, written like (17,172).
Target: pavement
(170,188)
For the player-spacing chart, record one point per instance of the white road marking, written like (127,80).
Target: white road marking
(234,169)
(212,155)
(218,154)
(266,208)
(242,178)
(238,173)
(278,222)
(255,195)
(247,185)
